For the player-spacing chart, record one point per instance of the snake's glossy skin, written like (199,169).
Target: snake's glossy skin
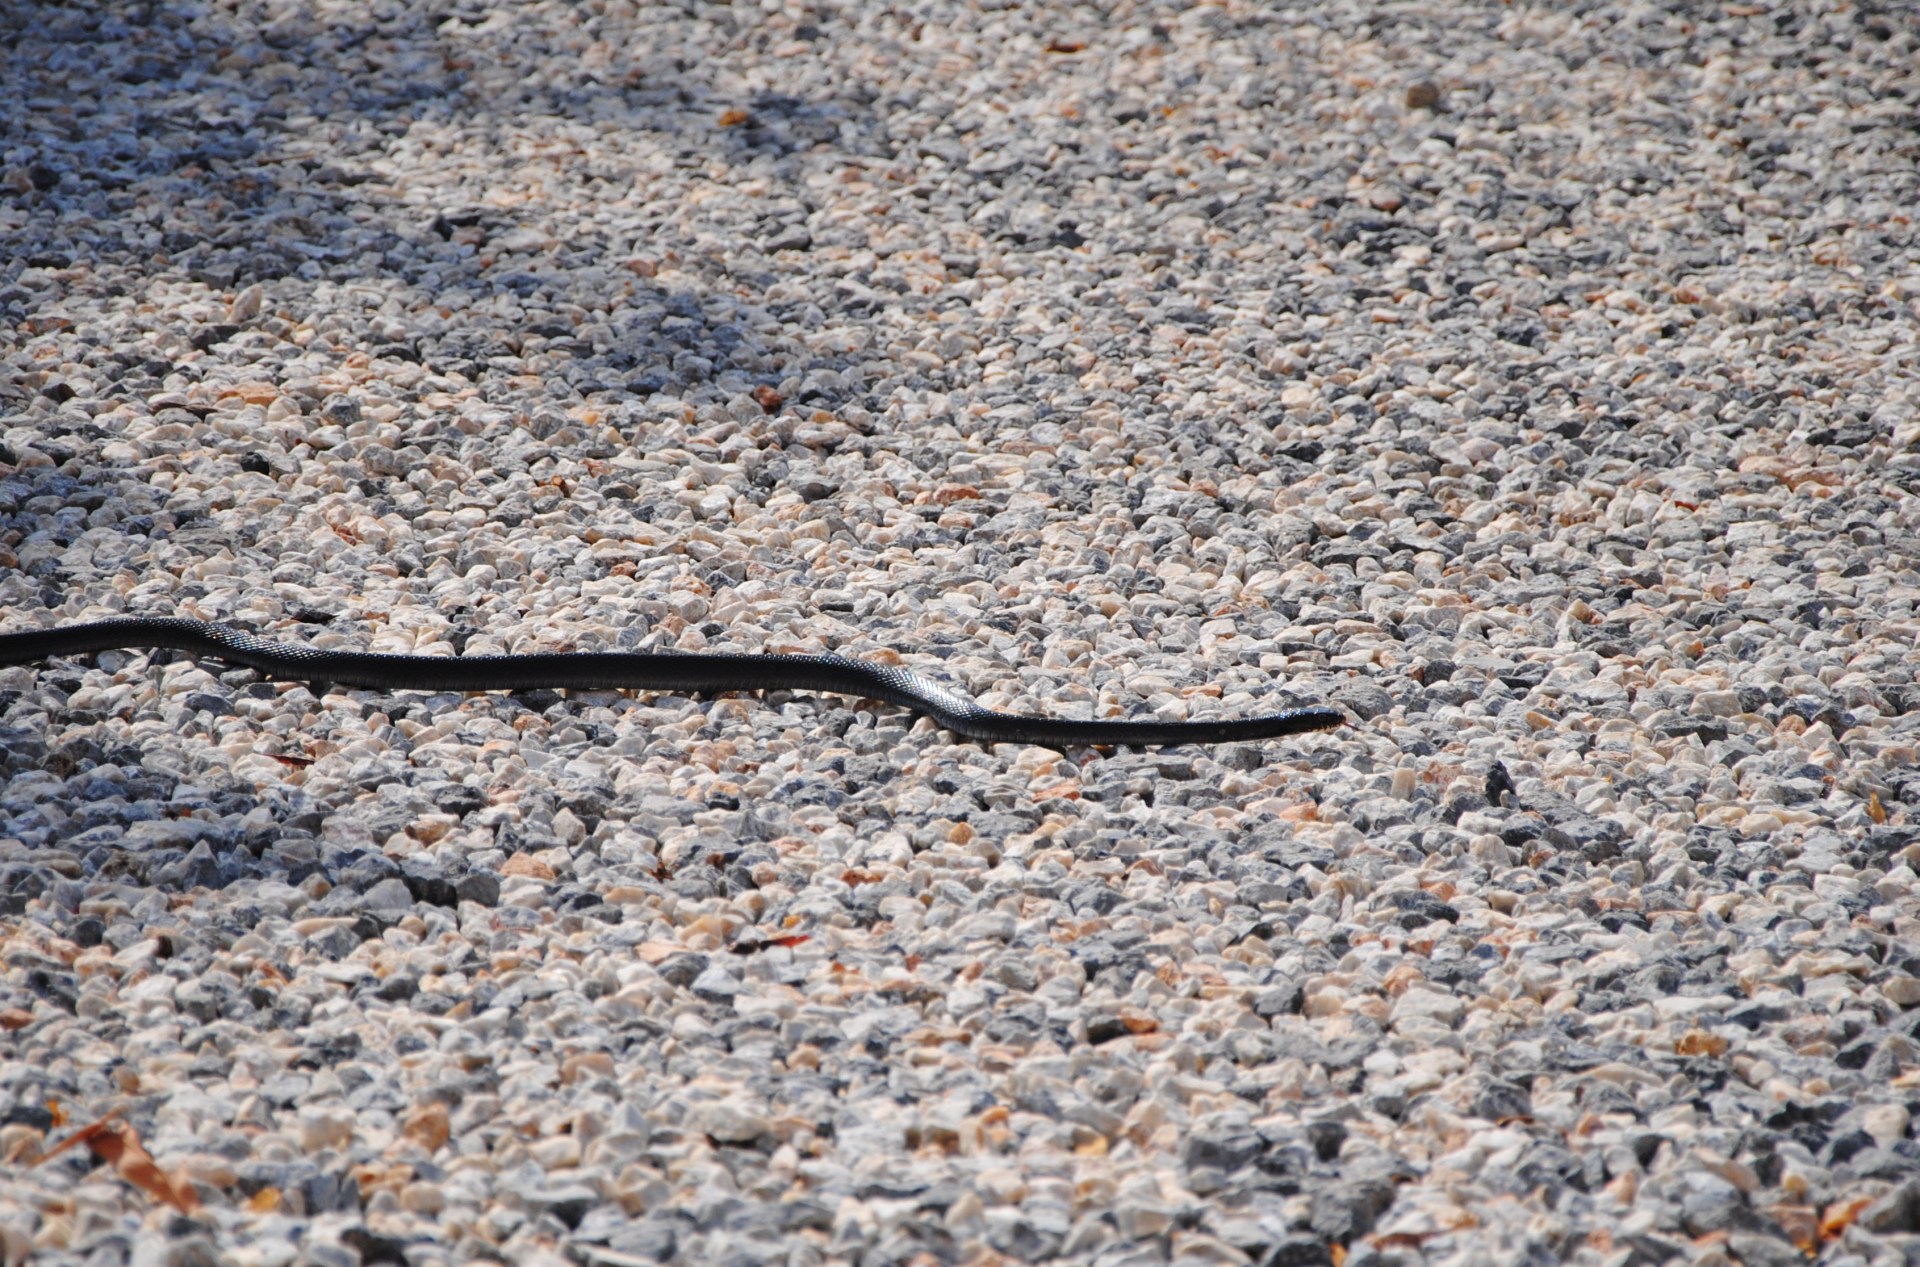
(679,672)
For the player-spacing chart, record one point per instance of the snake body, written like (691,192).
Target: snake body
(679,672)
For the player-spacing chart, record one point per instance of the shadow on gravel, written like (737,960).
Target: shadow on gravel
(143,146)
(173,133)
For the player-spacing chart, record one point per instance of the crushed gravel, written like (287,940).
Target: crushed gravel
(1537,384)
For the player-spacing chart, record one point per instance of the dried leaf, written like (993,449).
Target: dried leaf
(1840,1215)
(265,1201)
(735,117)
(117,1144)
(753,945)
(1875,810)
(15,1018)
(768,399)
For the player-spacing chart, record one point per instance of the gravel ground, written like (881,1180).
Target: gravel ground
(1538,385)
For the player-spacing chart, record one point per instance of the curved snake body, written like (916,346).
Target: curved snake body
(679,672)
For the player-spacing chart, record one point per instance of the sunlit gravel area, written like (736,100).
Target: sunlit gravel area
(1537,383)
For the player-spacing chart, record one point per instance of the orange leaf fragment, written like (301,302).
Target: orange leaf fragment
(118,1144)
(1840,1215)
(1875,810)
(265,1201)
(1066,46)
(754,945)
(735,117)
(768,399)
(15,1018)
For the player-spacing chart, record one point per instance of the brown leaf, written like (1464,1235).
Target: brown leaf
(1840,1215)
(768,399)
(754,945)
(735,117)
(117,1144)
(15,1018)
(1066,46)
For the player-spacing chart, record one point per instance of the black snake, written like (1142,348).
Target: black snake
(679,672)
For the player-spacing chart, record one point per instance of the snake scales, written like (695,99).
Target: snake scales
(679,672)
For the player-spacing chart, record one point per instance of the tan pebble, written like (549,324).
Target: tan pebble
(1903,990)
(252,393)
(246,304)
(431,828)
(554,1153)
(321,1129)
(1737,1173)
(568,827)
(209,1168)
(423,1198)
(585,1065)
(1000,1185)
(525,864)
(1887,1123)
(428,1126)
(20,1144)
(1323,1003)
(964,1213)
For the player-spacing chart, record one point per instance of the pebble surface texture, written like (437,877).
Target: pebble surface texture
(1536,384)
